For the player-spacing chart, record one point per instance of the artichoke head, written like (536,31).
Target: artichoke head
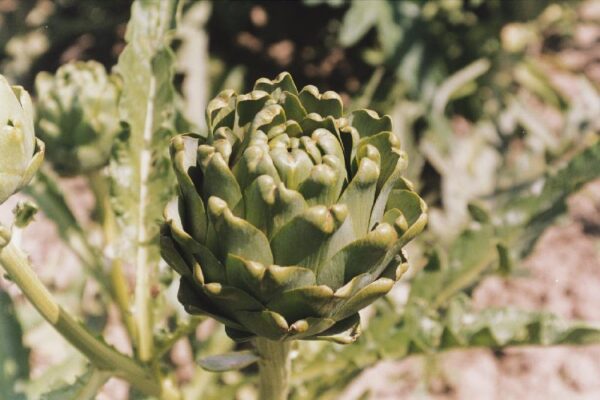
(77,116)
(290,217)
(20,152)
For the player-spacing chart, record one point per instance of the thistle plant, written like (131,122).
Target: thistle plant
(20,152)
(77,116)
(290,218)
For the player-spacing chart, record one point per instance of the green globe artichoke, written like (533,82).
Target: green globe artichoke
(20,152)
(290,217)
(77,116)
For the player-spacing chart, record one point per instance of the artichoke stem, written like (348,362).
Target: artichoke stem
(275,368)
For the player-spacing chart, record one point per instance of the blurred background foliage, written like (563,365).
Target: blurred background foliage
(496,103)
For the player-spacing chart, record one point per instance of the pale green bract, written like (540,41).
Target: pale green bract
(291,217)
(77,116)
(20,152)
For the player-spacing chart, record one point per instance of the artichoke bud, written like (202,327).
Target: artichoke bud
(20,153)
(296,213)
(77,116)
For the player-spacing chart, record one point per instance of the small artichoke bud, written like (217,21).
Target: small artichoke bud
(290,217)
(20,153)
(77,116)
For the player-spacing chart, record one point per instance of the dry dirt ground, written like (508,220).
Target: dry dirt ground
(562,276)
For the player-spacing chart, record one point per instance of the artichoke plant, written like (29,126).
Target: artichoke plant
(77,116)
(290,217)
(20,152)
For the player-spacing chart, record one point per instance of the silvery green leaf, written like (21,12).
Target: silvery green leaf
(142,177)
(139,167)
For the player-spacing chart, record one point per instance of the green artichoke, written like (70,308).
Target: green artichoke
(290,217)
(20,152)
(77,116)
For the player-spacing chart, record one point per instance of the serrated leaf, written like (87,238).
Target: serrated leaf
(14,363)
(228,361)
(498,327)
(140,169)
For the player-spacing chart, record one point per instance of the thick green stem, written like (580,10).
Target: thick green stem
(101,355)
(274,367)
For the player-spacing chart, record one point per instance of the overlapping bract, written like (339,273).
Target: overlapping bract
(20,152)
(290,217)
(77,116)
